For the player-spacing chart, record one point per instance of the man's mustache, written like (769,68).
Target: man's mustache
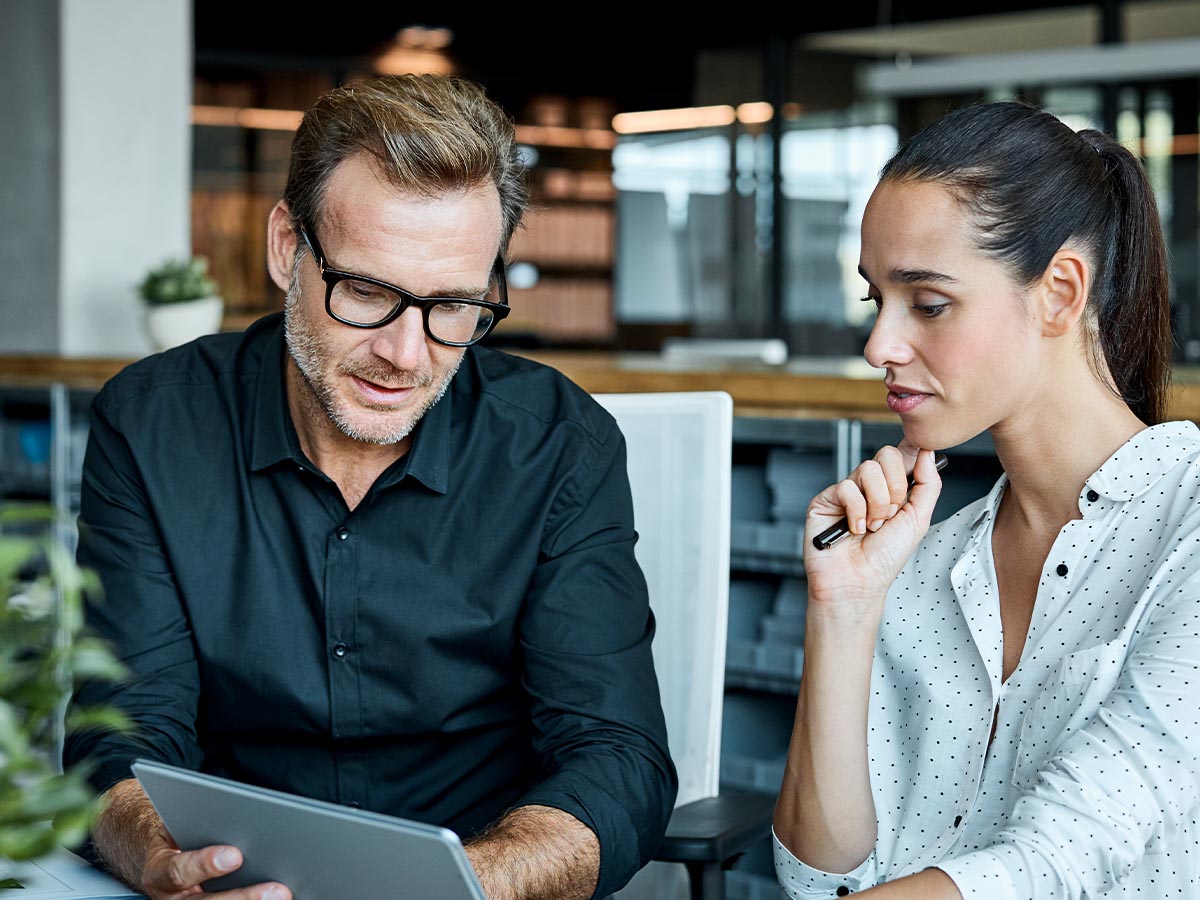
(384,374)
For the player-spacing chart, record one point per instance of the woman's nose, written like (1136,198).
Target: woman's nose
(888,345)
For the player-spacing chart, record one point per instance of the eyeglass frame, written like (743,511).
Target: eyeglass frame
(332,276)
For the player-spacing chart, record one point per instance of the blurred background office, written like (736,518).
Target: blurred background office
(696,183)
(692,179)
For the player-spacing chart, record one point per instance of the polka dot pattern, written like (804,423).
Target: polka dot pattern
(1091,786)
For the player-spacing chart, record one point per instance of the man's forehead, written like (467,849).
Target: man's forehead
(358,186)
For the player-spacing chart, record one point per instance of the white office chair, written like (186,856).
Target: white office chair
(679,472)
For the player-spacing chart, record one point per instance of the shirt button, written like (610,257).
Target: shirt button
(1061,570)
(957,821)
(1092,496)
(340,650)
(343,532)
(842,891)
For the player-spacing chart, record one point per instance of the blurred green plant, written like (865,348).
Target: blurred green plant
(177,281)
(43,652)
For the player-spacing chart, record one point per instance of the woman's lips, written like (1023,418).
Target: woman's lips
(377,393)
(902,400)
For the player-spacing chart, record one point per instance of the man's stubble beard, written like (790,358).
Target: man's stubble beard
(321,399)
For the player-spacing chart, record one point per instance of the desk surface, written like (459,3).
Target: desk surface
(801,388)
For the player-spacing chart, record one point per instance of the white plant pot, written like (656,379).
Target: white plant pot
(172,324)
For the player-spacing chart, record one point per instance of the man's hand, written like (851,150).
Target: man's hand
(171,873)
(537,853)
(131,838)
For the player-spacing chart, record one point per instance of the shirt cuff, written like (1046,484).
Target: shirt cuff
(604,815)
(801,880)
(980,875)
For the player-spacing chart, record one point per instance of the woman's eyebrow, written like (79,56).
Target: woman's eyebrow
(913,276)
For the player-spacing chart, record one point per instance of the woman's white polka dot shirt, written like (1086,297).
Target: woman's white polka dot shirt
(1091,786)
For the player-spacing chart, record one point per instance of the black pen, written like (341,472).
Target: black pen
(841,528)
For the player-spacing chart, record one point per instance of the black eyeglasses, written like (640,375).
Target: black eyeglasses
(362,302)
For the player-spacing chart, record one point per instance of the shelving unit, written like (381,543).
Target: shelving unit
(43,435)
(778,466)
(568,237)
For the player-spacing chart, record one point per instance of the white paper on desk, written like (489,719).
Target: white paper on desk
(61,876)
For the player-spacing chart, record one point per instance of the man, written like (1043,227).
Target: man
(349,555)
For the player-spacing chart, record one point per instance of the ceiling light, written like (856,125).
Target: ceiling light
(674,119)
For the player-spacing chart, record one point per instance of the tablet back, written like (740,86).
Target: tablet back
(321,851)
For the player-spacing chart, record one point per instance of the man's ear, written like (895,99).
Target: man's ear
(1061,294)
(282,241)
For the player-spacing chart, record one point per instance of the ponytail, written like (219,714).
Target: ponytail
(1033,185)
(1131,294)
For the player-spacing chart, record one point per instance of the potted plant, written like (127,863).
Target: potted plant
(42,654)
(182,302)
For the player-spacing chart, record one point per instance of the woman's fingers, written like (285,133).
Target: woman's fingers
(851,499)
(895,468)
(874,485)
(879,488)
(927,485)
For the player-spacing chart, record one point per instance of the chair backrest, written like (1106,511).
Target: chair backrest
(679,448)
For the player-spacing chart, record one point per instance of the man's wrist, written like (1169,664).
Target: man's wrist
(537,852)
(126,830)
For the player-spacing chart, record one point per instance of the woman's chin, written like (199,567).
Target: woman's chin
(941,435)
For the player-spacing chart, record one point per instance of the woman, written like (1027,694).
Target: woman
(1006,706)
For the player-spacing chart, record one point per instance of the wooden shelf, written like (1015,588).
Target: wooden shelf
(802,388)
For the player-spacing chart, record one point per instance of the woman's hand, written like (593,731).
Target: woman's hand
(887,521)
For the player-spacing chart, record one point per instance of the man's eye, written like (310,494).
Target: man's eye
(364,291)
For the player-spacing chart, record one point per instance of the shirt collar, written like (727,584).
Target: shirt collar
(270,436)
(985,509)
(273,436)
(428,459)
(1142,460)
(1131,471)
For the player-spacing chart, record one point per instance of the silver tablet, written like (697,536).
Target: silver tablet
(321,851)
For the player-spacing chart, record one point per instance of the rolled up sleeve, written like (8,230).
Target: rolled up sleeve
(140,613)
(586,630)
(802,882)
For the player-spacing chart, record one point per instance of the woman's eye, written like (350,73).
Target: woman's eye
(931,310)
(878,301)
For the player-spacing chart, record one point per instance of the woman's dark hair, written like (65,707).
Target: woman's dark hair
(1031,185)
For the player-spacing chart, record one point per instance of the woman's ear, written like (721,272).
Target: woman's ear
(281,246)
(1062,293)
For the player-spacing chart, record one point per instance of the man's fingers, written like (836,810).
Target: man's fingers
(179,871)
(268,891)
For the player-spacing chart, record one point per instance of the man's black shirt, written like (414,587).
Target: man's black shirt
(474,636)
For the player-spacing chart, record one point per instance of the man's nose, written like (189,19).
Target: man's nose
(402,341)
